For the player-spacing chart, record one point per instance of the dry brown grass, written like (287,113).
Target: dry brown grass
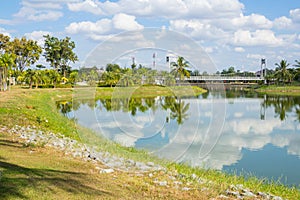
(45,173)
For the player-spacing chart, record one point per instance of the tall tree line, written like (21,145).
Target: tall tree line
(18,56)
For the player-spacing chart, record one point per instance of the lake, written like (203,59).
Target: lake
(236,132)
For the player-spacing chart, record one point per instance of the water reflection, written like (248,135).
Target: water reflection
(258,130)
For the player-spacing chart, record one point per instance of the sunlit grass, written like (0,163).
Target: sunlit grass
(280,90)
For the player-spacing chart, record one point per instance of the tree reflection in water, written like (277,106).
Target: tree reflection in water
(177,108)
(283,106)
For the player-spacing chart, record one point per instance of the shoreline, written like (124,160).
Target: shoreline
(32,137)
(25,107)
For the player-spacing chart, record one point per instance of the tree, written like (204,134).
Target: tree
(6,63)
(54,76)
(113,68)
(4,39)
(298,69)
(73,77)
(27,52)
(111,78)
(59,53)
(179,68)
(230,71)
(29,77)
(282,73)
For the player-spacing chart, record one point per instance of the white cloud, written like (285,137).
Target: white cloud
(255,56)
(256,38)
(239,49)
(38,15)
(197,29)
(37,36)
(165,8)
(99,27)
(282,22)
(252,21)
(88,6)
(45,4)
(102,29)
(295,15)
(126,22)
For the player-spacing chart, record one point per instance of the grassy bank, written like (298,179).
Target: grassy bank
(280,90)
(37,108)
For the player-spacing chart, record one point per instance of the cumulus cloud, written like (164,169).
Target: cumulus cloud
(99,27)
(252,21)
(256,38)
(33,14)
(165,8)
(96,30)
(38,36)
(239,49)
(282,22)
(197,29)
(295,15)
(87,6)
(126,22)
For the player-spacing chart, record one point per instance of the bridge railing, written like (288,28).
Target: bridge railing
(223,78)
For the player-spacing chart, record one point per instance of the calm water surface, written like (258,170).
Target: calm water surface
(237,132)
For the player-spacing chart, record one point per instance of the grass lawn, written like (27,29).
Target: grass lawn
(280,90)
(43,173)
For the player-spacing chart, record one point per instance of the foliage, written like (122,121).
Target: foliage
(297,73)
(113,67)
(6,63)
(282,74)
(27,52)
(230,71)
(4,39)
(59,53)
(179,68)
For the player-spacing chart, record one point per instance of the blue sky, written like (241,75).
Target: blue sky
(232,32)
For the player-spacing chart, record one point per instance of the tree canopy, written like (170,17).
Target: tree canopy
(59,53)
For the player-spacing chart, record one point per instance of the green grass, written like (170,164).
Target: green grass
(37,108)
(280,90)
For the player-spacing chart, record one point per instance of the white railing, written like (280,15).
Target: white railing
(223,78)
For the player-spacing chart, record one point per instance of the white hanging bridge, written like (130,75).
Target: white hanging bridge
(223,78)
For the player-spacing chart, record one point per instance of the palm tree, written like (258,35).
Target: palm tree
(6,62)
(30,77)
(298,69)
(282,73)
(111,78)
(54,76)
(179,68)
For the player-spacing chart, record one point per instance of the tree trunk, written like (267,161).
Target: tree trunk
(30,83)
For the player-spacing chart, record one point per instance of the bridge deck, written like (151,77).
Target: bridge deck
(223,78)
